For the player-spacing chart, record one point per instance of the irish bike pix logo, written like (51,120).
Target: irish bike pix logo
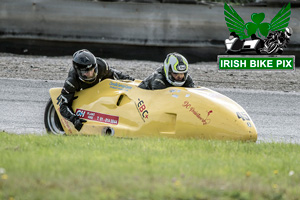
(257,45)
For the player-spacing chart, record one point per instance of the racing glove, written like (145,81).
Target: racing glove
(78,123)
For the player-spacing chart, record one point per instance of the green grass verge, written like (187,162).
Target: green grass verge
(78,167)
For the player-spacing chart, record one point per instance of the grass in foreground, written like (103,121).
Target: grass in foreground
(78,167)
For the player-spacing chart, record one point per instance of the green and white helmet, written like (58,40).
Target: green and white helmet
(177,64)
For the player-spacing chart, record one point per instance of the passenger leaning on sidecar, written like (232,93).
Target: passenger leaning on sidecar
(87,71)
(174,73)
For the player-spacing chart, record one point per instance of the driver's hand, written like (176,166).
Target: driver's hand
(78,123)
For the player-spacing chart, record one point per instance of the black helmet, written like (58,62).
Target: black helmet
(83,62)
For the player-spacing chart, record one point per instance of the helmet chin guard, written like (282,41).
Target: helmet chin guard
(177,64)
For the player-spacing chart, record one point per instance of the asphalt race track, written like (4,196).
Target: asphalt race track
(275,114)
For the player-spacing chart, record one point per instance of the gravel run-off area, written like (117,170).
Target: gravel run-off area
(203,73)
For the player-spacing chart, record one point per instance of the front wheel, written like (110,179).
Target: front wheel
(51,120)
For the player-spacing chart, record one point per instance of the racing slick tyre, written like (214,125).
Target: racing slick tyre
(51,120)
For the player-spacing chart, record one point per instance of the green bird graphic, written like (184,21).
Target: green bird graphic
(236,24)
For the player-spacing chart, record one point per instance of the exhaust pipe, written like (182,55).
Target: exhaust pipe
(108,131)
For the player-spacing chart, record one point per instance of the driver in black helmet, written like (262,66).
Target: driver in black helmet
(86,72)
(174,72)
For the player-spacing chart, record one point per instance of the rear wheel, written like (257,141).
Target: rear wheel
(51,120)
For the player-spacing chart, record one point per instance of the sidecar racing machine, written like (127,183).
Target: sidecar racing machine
(121,109)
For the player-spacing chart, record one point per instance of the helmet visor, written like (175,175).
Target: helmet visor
(86,68)
(177,78)
(180,69)
(88,73)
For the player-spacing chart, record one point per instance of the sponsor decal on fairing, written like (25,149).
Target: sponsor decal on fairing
(99,117)
(119,86)
(142,110)
(190,108)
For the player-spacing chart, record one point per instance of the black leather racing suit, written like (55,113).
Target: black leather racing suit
(73,84)
(158,80)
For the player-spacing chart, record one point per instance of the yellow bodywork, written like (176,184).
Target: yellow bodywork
(128,111)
